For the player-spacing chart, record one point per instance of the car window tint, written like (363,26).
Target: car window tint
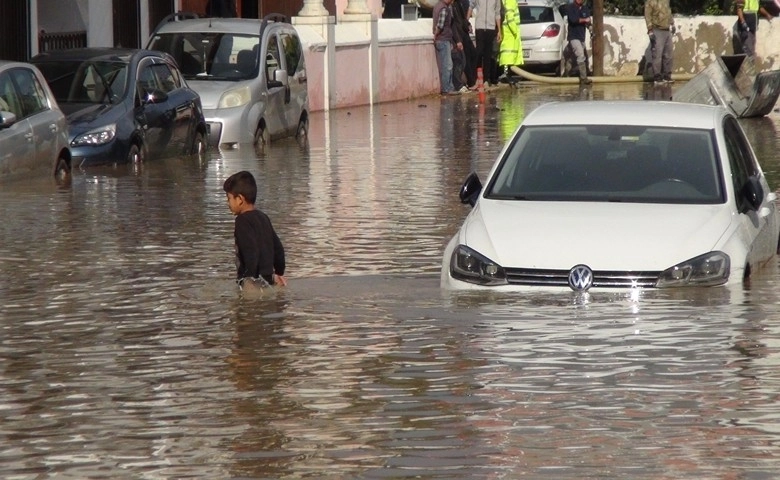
(147,82)
(533,14)
(614,163)
(31,93)
(292,52)
(740,155)
(742,163)
(165,79)
(8,95)
(272,58)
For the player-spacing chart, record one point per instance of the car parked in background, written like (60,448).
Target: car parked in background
(543,33)
(617,195)
(33,130)
(124,105)
(250,74)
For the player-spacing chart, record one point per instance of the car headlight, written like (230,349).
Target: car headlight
(237,97)
(470,266)
(705,270)
(98,136)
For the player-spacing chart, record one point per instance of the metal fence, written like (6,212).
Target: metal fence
(61,41)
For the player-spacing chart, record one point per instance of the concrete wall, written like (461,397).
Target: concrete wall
(353,63)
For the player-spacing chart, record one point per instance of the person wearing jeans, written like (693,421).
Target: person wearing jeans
(444,37)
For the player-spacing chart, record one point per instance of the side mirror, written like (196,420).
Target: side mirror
(6,119)
(751,195)
(280,79)
(470,189)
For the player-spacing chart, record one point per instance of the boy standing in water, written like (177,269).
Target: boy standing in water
(259,252)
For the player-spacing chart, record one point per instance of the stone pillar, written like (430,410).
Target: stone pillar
(313,8)
(356,7)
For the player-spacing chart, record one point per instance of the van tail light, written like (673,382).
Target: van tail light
(552,31)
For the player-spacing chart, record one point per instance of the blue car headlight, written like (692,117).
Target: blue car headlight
(705,270)
(470,266)
(98,136)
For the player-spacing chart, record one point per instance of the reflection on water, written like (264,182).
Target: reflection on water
(127,353)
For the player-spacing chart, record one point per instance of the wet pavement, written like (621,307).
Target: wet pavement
(126,352)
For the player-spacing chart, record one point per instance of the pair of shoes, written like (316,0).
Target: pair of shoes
(474,88)
(464,89)
(453,92)
(658,83)
(668,80)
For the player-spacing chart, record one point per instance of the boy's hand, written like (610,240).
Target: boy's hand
(280,280)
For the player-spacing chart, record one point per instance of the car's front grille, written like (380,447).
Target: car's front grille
(560,278)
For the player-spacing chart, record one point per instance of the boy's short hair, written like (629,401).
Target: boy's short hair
(242,183)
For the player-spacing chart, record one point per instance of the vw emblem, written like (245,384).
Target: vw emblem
(580,278)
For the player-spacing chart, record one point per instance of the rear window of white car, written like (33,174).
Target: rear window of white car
(610,163)
(532,14)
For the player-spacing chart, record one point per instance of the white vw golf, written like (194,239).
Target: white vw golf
(616,195)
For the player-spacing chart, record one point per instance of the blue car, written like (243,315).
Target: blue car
(124,105)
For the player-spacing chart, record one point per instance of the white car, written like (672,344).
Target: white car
(616,195)
(543,35)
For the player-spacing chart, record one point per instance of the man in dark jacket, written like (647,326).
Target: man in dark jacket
(463,60)
(579,18)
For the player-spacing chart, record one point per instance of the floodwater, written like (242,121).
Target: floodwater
(126,352)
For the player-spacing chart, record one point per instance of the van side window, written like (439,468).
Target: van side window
(271,58)
(292,53)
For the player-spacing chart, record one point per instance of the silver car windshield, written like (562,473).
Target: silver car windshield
(610,163)
(211,56)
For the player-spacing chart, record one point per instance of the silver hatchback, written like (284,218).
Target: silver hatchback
(33,130)
(250,75)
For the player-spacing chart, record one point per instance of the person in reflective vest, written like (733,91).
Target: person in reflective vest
(510,51)
(747,23)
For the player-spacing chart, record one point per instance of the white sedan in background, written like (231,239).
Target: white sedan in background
(616,195)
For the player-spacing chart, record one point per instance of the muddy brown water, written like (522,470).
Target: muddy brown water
(125,351)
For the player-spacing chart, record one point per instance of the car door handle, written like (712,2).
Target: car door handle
(29,137)
(53,128)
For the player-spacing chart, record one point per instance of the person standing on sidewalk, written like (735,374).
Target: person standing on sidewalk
(747,23)
(660,28)
(487,26)
(444,37)
(463,60)
(579,18)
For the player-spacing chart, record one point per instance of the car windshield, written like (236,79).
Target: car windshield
(610,163)
(211,56)
(86,82)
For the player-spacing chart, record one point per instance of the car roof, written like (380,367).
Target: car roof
(91,53)
(241,26)
(628,112)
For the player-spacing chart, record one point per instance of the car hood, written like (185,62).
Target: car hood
(604,236)
(211,91)
(83,117)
